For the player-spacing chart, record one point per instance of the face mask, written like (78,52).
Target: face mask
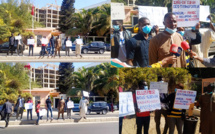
(175,89)
(61,98)
(147,29)
(193,28)
(145,87)
(48,97)
(116,27)
(171,31)
(83,98)
(181,33)
(69,99)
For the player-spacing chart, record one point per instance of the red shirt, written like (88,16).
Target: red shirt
(142,114)
(38,108)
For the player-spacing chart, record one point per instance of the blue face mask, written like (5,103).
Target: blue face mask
(147,29)
(145,87)
(83,98)
(116,27)
(181,33)
(170,31)
(48,97)
(175,89)
(69,99)
(194,28)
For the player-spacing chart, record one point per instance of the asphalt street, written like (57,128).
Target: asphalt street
(69,128)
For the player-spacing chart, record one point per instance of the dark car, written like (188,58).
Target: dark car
(5,47)
(76,108)
(97,47)
(108,48)
(98,107)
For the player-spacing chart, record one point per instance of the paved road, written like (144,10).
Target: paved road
(70,128)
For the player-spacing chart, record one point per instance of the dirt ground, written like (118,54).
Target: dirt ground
(129,126)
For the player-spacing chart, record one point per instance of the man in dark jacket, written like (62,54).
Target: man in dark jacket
(20,107)
(52,43)
(7,107)
(120,36)
(11,44)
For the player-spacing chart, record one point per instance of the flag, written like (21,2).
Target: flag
(32,10)
(28,66)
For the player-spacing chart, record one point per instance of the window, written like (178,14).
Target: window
(93,44)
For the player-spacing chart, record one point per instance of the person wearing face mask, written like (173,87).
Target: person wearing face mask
(20,107)
(68,109)
(49,107)
(60,107)
(137,50)
(207,114)
(159,46)
(83,107)
(120,36)
(29,110)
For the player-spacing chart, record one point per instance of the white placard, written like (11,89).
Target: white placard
(204,13)
(18,37)
(126,105)
(28,105)
(186,11)
(161,86)
(70,104)
(43,112)
(79,41)
(44,41)
(30,42)
(184,98)
(154,14)
(85,94)
(117,11)
(68,43)
(148,100)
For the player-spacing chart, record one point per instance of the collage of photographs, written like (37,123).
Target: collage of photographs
(107,67)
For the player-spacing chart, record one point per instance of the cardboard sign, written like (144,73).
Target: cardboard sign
(70,104)
(30,42)
(43,112)
(204,13)
(85,94)
(44,41)
(68,43)
(126,105)
(117,11)
(18,37)
(161,86)
(79,41)
(148,100)
(186,11)
(184,98)
(28,105)
(154,14)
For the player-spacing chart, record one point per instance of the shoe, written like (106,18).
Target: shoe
(85,118)
(47,119)
(6,125)
(63,119)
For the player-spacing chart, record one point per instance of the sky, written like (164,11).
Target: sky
(78,3)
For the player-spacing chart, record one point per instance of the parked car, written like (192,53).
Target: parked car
(108,47)
(97,47)
(98,107)
(5,47)
(76,108)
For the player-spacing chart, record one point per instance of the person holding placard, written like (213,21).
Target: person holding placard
(60,107)
(142,118)
(29,110)
(31,46)
(57,46)
(20,107)
(11,44)
(207,114)
(49,107)
(44,44)
(120,36)
(52,44)
(83,107)
(38,112)
(67,44)
(160,45)
(19,43)
(78,43)
(69,106)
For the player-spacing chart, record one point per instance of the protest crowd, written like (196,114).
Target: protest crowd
(172,102)
(21,104)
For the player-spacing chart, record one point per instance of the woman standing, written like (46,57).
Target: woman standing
(69,106)
(29,110)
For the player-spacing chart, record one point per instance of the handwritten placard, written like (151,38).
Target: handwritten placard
(148,100)
(44,41)
(28,105)
(126,105)
(18,37)
(204,13)
(30,42)
(68,43)
(161,86)
(79,41)
(85,94)
(186,11)
(117,11)
(184,98)
(70,104)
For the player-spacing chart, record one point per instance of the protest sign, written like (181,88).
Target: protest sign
(148,100)
(186,11)
(126,104)
(28,105)
(154,14)
(85,94)
(79,41)
(117,11)
(30,42)
(43,112)
(18,37)
(184,98)
(204,13)
(161,86)
(68,43)
(44,41)
(70,104)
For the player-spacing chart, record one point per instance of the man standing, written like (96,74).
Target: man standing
(38,112)
(159,46)
(57,46)
(60,107)
(52,43)
(29,110)
(121,37)
(137,49)
(19,43)
(49,108)
(7,107)
(20,107)
(11,44)
(83,107)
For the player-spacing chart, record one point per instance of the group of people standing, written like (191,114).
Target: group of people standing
(150,46)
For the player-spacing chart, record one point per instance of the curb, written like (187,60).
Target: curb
(31,122)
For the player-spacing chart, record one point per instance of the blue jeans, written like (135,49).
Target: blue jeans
(31,47)
(120,124)
(49,50)
(49,109)
(43,50)
(52,50)
(38,117)
(29,110)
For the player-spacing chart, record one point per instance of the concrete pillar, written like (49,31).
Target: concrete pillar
(94,38)
(48,79)
(106,98)
(105,39)
(34,74)
(46,19)
(43,75)
(55,77)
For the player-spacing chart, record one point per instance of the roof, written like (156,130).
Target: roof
(42,29)
(39,90)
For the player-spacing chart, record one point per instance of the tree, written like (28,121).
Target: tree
(67,10)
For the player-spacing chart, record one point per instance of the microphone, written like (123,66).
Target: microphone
(185,46)
(173,51)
